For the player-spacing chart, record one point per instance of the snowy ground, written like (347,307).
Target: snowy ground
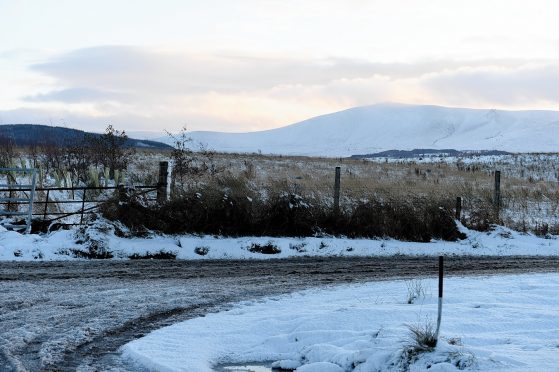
(74,315)
(498,323)
(63,245)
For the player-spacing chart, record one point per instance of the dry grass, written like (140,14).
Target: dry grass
(529,183)
(529,187)
(422,336)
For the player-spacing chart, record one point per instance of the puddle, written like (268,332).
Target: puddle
(250,367)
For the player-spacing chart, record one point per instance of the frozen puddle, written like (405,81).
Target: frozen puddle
(245,368)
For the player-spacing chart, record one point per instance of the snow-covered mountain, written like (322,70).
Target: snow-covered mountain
(375,128)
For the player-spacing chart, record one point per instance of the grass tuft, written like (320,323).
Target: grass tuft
(422,337)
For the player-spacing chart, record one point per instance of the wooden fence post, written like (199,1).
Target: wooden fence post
(497,193)
(458,208)
(46,206)
(83,205)
(337,191)
(440,307)
(162,182)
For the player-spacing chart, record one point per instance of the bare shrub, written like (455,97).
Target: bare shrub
(416,290)
(481,214)
(230,206)
(161,255)
(7,151)
(267,248)
(201,251)
(191,162)
(112,150)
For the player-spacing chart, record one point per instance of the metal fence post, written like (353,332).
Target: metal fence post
(31,200)
(440,307)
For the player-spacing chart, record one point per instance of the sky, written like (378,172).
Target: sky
(249,65)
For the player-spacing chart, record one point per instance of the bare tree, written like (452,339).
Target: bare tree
(79,157)
(7,151)
(190,163)
(52,156)
(111,146)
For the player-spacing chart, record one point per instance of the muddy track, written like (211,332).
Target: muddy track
(75,315)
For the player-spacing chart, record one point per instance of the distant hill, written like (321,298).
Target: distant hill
(382,127)
(35,134)
(416,153)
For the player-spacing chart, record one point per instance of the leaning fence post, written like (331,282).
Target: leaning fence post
(440,308)
(497,193)
(337,190)
(162,182)
(458,208)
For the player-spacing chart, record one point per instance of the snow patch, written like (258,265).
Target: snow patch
(111,242)
(505,323)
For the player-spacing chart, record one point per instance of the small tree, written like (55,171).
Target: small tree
(52,156)
(7,156)
(182,155)
(111,146)
(190,164)
(79,157)
(7,151)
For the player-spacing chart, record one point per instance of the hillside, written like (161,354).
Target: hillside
(376,128)
(35,134)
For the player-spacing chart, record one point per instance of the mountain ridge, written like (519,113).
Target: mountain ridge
(39,134)
(382,127)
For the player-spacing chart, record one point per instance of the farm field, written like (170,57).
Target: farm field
(529,182)
(529,193)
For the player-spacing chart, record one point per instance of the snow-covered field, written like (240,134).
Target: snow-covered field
(504,323)
(62,245)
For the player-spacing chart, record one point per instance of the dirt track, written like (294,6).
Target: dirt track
(75,315)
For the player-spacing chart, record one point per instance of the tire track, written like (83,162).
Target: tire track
(146,295)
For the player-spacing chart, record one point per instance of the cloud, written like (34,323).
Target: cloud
(98,123)
(145,88)
(131,69)
(520,86)
(74,95)
(134,71)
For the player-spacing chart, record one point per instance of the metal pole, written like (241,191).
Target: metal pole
(31,197)
(440,309)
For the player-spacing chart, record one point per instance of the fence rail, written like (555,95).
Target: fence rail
(41,207)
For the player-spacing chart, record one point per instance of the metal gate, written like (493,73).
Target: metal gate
(18,194)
